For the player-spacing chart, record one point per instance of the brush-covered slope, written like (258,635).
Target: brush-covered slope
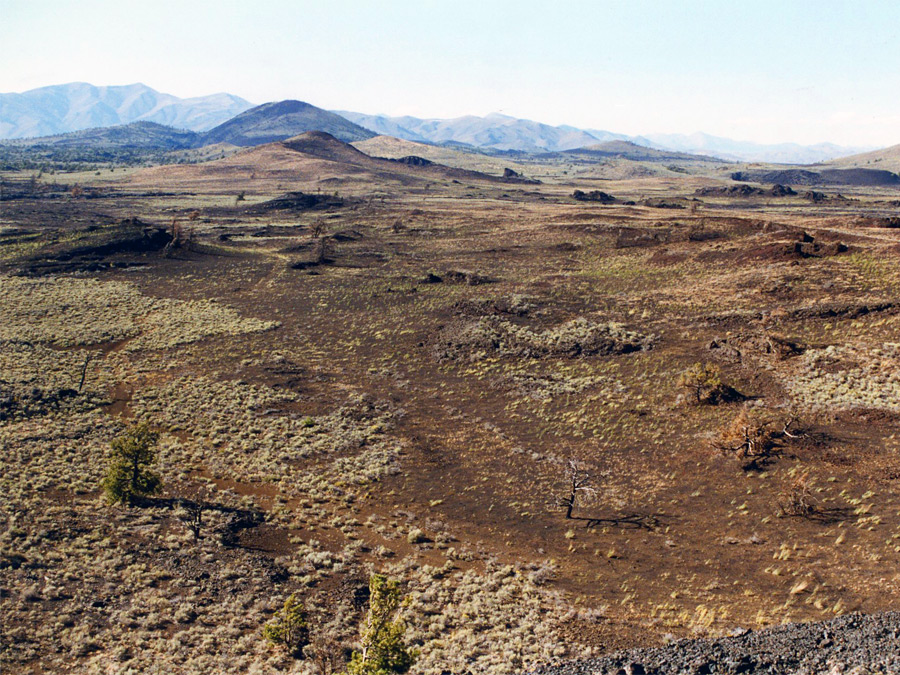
(309,161)
(398,148)
(145,135)
(324,145)
(634,152)
(281,120)
(886,159)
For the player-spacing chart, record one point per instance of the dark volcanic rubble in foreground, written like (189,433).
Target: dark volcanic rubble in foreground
(849,644)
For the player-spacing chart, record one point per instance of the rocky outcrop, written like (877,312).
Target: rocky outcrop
(852,643)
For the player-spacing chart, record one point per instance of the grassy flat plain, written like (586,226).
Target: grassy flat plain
(397,378)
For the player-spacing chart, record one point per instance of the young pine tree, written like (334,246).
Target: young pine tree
(289,628)
(383,651)
(128,476)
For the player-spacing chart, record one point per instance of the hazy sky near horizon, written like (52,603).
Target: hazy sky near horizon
(768,71)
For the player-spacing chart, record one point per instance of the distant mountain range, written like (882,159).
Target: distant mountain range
(59,109)
(745,151)
(501,132)
(55,110)
(263,124)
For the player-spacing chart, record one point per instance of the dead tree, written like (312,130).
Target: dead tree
(175,241)
(578,480)
(326,652)
(193,502)
(322,251)
(194,516)
(791,420)
(798,499)
(84,367)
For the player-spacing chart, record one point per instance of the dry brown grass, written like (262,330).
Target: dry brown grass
(308,407)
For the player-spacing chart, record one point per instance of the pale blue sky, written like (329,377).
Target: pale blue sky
(792,70)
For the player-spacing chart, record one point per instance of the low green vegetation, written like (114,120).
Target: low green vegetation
(283,432)
(289,629)
(382,651)
(129,475)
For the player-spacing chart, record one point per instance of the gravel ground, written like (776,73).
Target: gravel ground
(855,644)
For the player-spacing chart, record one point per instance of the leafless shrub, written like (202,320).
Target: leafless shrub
(322,250)
(326,653)
(194,501)
(543,573)
(798,499)
(182,237)
(578,482)
(747,437)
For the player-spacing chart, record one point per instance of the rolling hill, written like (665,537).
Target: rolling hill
(281,120)
(134,135)
(132,142)
(633,152)
(398,148)
(887,159)
(309,161)
(266,123)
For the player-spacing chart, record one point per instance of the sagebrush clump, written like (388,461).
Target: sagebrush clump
(703,384)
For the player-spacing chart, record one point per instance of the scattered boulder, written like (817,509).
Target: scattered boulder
(593,196)
(815,197)
(777,190)
(512,176)
(729,191)
(432,278)
(815,249)
(861,177)
(735,347)
(850,643)
(580,337)
(465,277)
(413,160)
(662,203)
(297,201)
